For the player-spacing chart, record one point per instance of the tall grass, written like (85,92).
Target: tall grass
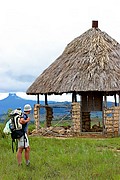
(63,159)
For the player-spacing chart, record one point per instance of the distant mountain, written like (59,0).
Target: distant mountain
(13,101)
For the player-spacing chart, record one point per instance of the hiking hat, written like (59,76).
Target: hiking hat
(27,107)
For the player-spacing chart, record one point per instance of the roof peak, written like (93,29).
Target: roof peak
(94,24)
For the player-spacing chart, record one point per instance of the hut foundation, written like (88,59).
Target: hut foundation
(81,121)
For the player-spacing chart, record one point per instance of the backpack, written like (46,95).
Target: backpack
(15,127)
(6,129)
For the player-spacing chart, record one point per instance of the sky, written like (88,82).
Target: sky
(34,33)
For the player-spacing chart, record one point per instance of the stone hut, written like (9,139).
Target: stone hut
(89,67)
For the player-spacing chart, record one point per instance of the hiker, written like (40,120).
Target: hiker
(23,142)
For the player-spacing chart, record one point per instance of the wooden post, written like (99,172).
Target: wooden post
(119,99)
(37,98)
(46,103)
(115,99)
(74,97)
(105,101)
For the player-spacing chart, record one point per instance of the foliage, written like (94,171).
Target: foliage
(6,116)
(68,159)
(2,125)
(2,135)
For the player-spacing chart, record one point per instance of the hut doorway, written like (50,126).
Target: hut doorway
(91,109)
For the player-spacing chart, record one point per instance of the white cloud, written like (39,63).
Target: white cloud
(58,98)
(3,95)
(34,33)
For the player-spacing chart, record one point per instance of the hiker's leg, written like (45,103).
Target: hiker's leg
(20,149)
(27,152)
(19,155)
(27,148)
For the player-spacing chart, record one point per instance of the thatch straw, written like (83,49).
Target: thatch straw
(91,62)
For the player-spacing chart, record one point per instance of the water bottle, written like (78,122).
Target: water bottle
(11,126)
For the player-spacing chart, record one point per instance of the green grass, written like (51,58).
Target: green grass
(63,159)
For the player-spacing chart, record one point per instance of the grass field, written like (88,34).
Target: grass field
(62,159)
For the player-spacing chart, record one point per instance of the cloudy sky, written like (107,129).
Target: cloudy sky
(33,33)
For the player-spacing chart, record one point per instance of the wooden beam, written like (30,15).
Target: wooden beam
(74,97)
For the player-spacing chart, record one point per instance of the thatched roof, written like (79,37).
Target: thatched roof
(91,62)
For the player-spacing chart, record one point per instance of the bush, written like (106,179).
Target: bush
(2,134)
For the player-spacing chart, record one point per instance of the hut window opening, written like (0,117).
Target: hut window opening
(51,118)
(96,121)
(62,116)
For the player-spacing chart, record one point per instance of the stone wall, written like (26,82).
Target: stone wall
(49,116)
(111,118)
(37,116)
(76,117)
(86,122)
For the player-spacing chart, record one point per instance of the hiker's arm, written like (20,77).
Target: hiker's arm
(23,121)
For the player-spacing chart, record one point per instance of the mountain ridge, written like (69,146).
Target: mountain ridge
(13,101)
